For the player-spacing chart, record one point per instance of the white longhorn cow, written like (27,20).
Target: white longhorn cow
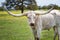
(42,21)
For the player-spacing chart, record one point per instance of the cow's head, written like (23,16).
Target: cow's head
(31,18)
(31,15)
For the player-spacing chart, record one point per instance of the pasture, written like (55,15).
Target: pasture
(17,28)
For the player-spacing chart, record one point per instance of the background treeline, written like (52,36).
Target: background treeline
(27,5)
(34,7)
(49,6)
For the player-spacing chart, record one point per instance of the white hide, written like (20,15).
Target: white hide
(49,20)
(57,15)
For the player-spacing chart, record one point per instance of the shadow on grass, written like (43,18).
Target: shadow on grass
(1,15)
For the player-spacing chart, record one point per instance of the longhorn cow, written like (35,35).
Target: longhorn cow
(41,21)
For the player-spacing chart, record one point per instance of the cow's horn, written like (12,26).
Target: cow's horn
(17,15)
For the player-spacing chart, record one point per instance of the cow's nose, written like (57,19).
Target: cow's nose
(31,24)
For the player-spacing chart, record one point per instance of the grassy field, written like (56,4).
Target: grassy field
(17,28)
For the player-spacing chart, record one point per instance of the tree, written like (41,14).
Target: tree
(55,6)
(19,4)
(49,6)
(1,8)
(44,7)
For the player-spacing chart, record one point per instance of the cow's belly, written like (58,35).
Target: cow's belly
(46,27)
(48,24)
(48,21)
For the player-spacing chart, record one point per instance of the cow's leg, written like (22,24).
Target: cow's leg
(55,32)
(35,33)
(58,32)
(38,33)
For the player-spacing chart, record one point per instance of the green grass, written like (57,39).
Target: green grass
(17,28)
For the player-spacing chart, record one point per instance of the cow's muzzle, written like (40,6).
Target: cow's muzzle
(31,24)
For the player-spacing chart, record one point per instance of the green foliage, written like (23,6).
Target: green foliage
(32,7)
(1,8)
(49,6)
